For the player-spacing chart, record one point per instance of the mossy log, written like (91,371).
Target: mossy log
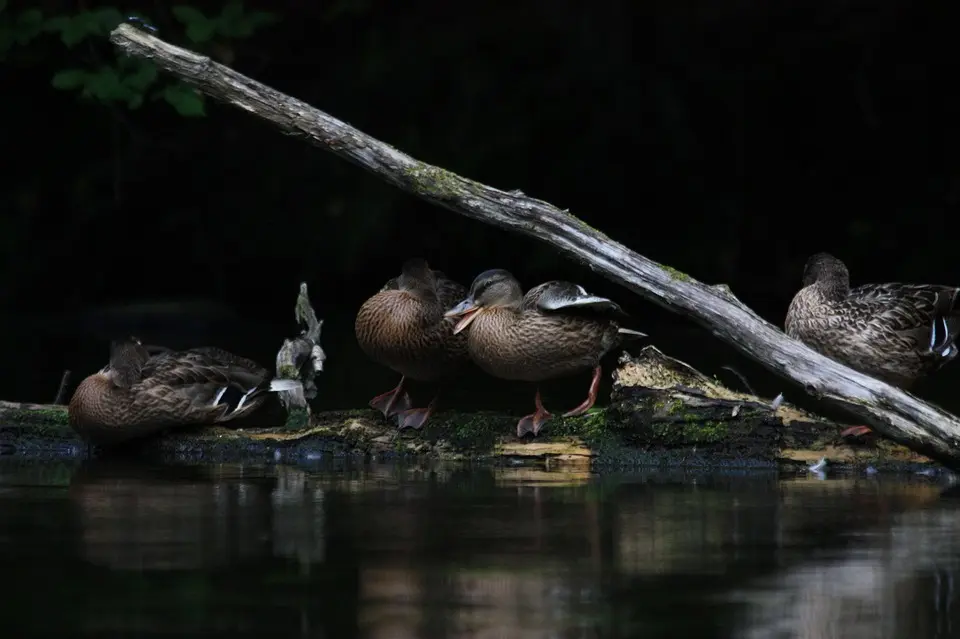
(662,413)
(898,415)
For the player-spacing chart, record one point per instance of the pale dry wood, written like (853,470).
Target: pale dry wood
(894,413)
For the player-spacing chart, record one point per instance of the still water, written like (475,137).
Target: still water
(381,551)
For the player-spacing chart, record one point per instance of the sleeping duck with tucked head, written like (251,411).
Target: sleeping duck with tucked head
(403,327)
(896,332)
(138,394)
(555,330)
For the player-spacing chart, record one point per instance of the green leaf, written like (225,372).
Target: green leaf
(234,22)
(106,85)
(69,79)
(232,11)
(76,29)
(56,23)
(30,17)
(230,23)
(199,32)
(141,77)
(107,19)
(28,25)
(135,101)
(188,15)
(3,5)
(7,39)
(186,100)
(257,19)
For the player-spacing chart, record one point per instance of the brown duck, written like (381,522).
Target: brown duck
(556,329)
(138,394)
(403,328)
(896,332)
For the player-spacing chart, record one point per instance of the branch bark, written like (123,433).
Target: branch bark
(897,415)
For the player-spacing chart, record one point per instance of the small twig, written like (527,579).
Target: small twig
(306,316)
(743,379)
(62,390)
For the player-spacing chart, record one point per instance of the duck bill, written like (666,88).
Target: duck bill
(467,311)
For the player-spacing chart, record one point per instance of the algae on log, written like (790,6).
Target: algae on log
(892,412)
(662,413)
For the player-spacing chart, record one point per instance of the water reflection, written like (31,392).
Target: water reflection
(422,551)
(899,583)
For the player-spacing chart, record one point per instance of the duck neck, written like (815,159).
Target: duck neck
(496,319)
(834,287)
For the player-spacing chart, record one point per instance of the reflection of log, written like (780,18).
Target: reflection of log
(152,518)
(662,413)
(894,413)
(148,518)
(893,582)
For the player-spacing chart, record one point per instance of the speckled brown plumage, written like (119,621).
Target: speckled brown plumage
(403,328)
(896,332)
(556,329)
(526,343)
(138,394)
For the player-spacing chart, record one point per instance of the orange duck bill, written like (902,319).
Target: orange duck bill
(467,311)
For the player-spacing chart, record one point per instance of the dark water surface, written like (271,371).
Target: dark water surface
(381,551)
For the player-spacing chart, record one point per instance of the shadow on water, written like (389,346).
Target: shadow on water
(418,551)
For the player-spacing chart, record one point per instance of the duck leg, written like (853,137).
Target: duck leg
(533,423)
(591,395)
(387,403)
(417,417)
(855,431)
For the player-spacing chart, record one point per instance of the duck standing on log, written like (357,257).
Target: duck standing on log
(403,327)
(138,394)
(896,332)
(556,329)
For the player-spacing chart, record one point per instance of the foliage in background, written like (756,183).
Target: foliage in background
(119,79)
(697,129)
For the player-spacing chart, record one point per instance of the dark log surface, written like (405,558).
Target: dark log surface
(662,413)
(898,415)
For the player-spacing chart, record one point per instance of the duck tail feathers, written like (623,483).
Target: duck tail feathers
(630,333)
(279,385)
(237,402)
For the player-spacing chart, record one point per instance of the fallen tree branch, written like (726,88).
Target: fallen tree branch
(892,412)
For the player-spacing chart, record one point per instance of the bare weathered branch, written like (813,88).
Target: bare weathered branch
(892,412)
(302,357)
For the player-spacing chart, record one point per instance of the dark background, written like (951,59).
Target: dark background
(727,139)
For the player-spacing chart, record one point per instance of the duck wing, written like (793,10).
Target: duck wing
(927,314)
(566,297)
(207,379)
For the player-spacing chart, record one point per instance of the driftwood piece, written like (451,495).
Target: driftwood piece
(302,357)
(892,412)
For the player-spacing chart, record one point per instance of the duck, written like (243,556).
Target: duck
(403,327)
(556,329)
(139,393)
(898,333)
